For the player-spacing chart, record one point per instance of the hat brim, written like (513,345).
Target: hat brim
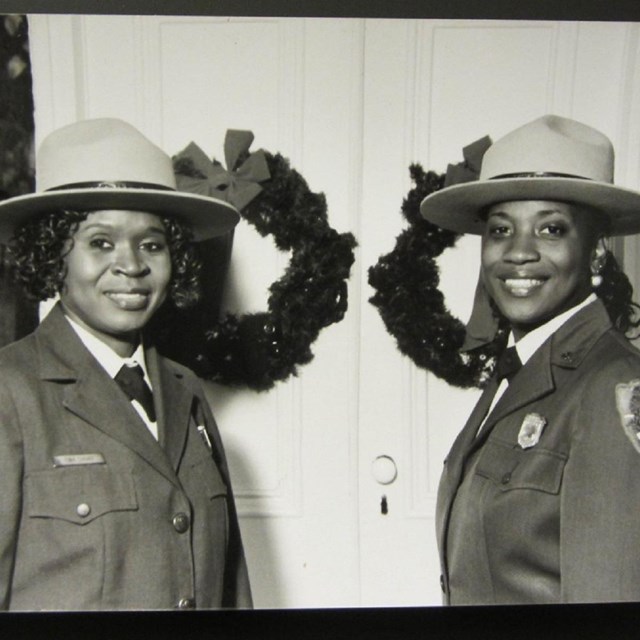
(207,217)
(459,207)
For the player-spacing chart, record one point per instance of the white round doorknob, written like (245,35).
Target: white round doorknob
(384,470)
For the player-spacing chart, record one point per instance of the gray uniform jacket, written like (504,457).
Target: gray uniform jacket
(94,512)
(556,517)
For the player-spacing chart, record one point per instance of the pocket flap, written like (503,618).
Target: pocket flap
(78,494)
(512,467)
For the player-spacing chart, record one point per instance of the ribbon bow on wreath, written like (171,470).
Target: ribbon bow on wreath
(469,169)
(258,349)
(238,183)
(406,281)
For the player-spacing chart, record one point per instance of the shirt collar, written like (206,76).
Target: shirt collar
(530,342)
(105,355)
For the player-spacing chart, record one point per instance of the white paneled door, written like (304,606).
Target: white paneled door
(352,103)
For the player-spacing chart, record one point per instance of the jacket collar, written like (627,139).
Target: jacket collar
(94,396)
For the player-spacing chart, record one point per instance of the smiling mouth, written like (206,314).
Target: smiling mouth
(129,300)
(522,287)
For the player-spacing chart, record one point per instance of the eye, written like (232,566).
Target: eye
(154,246)
(100,243)
(498,230)
(553,230)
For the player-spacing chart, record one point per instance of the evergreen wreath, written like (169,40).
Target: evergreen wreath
(408,297)
(258,349)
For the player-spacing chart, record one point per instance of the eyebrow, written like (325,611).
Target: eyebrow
(541,212)
(108,227)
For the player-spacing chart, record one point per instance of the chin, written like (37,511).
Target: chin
(127,325)
(525,317)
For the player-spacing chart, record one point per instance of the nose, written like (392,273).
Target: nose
(521,249)
(130,262)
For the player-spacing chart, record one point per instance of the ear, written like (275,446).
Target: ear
(598,255)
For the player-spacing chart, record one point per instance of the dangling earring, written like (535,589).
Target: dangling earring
(596,280)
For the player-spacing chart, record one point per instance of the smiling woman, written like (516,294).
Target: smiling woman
(538,498)
(115,492)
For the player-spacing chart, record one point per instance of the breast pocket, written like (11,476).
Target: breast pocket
(79,495)
(511,468)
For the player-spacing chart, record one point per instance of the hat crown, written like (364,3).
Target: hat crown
(551,145)
(101,150)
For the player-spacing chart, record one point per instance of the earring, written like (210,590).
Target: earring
(596,280)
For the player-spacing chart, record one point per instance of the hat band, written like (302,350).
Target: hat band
(111,185)
(537,174)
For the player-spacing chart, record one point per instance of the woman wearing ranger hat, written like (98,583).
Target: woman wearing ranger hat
(114,491)
(538,501)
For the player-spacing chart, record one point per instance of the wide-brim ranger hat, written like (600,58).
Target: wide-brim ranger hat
(106,163)
(551,158)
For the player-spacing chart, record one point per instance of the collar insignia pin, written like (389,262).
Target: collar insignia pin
(531,430)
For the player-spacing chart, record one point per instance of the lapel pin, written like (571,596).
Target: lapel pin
(202,430)
(531,430)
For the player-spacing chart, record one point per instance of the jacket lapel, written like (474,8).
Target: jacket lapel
(90,393)
(455,463)
(174,403)
(564,350)
(462,444)
(531,383)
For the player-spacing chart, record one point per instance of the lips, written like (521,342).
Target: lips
(131,300)
(522,287)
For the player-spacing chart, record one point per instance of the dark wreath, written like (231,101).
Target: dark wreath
(407,280)
(258,349)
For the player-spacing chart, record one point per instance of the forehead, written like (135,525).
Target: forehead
(123,221)
(528,208)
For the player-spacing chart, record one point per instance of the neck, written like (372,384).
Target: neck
(124,344)
(124,347)
(519,331)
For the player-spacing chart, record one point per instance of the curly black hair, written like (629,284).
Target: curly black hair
(616,293)
(39,247)
(616,290)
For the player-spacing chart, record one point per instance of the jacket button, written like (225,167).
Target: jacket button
(83,509)
(187,603)
(180,522)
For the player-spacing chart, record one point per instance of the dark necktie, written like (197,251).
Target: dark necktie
(508,364)
(131,381)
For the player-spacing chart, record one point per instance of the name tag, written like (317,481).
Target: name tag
(73,459)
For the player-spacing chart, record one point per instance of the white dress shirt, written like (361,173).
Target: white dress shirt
(112,363)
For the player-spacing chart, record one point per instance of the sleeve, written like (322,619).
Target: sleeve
(237,590)
(11,472)
(600,502)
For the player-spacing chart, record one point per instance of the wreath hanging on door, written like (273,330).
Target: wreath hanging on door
(258,349)
(407,280)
